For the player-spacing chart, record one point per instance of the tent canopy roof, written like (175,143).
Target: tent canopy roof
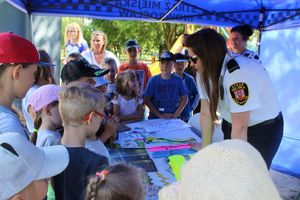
(259,14)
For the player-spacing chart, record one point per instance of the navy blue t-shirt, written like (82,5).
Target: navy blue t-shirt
(165,93)
(71,183)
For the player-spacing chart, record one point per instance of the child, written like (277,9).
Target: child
(227,170)
(44,102)
(115,183)
(81,110)
(101,84)
(73,56)
(74,41)
(166,94)
(132,50)
(44,75)
(94,144)
(25,168)
(127,105)
(18,66)
(111,65)
(80,71)
(193,96)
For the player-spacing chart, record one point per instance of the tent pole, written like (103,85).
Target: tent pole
(260,26)
(174,6)
(259,39)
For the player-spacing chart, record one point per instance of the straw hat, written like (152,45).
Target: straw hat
(227,170)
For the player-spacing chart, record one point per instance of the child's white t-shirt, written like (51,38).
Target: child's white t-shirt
(48,138)
(127,107)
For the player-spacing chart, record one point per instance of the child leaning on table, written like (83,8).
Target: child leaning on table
(127,104)
(116,182)
(166,94)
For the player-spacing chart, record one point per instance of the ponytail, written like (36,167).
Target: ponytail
(37,125)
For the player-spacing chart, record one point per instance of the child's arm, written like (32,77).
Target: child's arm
(110,127)
(182,104)
(151,107)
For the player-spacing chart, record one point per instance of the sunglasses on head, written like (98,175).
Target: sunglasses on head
(194,59)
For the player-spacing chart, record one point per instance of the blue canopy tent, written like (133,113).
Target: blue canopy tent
(260,14)
(270,17)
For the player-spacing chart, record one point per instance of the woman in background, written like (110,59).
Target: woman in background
(239,35)
(98,51)
(74,41)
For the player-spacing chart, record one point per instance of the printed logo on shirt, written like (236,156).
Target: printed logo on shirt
(239,93)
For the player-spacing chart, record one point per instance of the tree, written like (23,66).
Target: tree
(152,37)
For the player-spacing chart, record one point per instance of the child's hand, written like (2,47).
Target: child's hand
(112,122)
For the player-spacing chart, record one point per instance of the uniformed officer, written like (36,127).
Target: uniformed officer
(240,89)
(238,37)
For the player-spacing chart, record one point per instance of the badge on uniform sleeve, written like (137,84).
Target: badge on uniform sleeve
(239,92)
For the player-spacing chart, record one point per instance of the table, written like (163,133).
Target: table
(159,146)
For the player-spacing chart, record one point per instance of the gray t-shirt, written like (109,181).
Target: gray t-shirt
(48,138)
(9,122)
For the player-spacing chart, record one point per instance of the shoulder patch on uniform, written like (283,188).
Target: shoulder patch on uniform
(239,93)
(232,65)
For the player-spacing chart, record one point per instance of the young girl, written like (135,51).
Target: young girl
(44,102)
(18,65)
(44,75)
(127,105)
(74,41)
(116,182)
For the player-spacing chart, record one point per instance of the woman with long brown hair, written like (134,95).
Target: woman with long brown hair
(240,89)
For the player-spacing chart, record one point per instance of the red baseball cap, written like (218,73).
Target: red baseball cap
(15,49)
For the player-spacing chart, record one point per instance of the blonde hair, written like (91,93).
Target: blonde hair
(79,38)
(99,33)
(122,83)
(76,101)
(116,182)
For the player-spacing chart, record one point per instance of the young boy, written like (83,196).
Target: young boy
(193,96)
(166,94)
(81,110)
(132,50)
(80,71)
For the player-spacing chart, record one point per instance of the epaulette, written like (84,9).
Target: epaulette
(232,65)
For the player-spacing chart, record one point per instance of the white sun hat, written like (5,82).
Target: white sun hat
(227,170)
(21,163)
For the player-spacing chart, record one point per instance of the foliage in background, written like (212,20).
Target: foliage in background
(153,37)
